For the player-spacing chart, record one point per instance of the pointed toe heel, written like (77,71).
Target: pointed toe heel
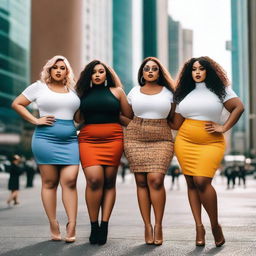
(218,236)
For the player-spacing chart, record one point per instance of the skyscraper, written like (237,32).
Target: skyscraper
(252,66)
(122,42)
(240,73)
(155,29)
(14,68)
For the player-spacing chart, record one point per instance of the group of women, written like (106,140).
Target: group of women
(97,102)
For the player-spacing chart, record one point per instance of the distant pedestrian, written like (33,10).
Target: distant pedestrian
(230,174)
(14,180)
(30,169)
(242,176)
(174,172)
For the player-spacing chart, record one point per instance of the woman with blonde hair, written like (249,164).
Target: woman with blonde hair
(149,142)
(100,141)
(54,142)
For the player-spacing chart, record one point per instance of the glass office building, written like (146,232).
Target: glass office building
(122,42)
(14,68)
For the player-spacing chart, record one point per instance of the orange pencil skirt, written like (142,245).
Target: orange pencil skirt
(101,144)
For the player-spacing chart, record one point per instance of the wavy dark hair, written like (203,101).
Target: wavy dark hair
(164,79)
(83,84)
(216,78)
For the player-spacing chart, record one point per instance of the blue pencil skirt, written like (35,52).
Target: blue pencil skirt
(57,144)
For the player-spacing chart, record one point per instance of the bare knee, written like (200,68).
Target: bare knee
(94,183)
(50,184)
(156,183)
(191,185)
(109,183)
(201,185)
(71,184)
(141,183)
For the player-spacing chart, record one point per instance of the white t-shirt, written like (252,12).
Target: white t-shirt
(156,106)
(203,104)
(59,105)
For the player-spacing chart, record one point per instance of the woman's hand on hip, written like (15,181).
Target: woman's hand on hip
(212,127)
(46,120)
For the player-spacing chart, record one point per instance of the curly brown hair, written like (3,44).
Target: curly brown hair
(216,78)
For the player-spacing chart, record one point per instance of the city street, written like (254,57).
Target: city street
(24,228)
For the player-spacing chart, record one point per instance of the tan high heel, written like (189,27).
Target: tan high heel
(218,236)
(55,237)
(70,239)
(158,235)
(200,235)
(149,234)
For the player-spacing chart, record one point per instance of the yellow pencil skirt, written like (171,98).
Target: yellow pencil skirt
(199,153)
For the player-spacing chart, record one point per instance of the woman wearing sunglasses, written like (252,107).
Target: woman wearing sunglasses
(148,142)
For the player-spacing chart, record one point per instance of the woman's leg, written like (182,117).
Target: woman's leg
(108,201)
(143,197)
(194,200)
(50,181)
(158,197)
(93,194)
(208,197)
(109,194)
(94,190)
(15,195)
(144,204)
(68,178)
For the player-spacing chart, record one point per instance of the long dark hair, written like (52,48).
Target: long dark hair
(84,81)
(164,79)
(216,78)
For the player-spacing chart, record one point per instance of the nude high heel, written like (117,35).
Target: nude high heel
(149,234)
(55,237)
(200,235)
(69,239)
(218,236)
(158,235)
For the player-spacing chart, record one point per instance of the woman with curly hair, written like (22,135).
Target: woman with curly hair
(100,141)
(149,142)
(202,92)
(54,142)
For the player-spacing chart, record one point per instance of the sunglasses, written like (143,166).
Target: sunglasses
(147,69)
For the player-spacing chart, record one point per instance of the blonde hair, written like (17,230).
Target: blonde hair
(45,75)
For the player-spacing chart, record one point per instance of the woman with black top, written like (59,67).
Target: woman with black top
(100,141)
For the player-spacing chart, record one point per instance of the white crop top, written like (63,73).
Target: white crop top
(59,105)
(203,104)
(156,106)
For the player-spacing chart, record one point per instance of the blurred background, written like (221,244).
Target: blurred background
(122,33)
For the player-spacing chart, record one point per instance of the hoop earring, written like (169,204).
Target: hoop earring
(142,80)
(106,83)
(91,83)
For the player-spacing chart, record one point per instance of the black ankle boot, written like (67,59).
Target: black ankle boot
(94,232)
(103,234)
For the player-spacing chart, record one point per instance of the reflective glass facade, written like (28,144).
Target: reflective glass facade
(14,62)
(122,42)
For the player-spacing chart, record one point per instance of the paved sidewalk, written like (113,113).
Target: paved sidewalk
(24,229)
